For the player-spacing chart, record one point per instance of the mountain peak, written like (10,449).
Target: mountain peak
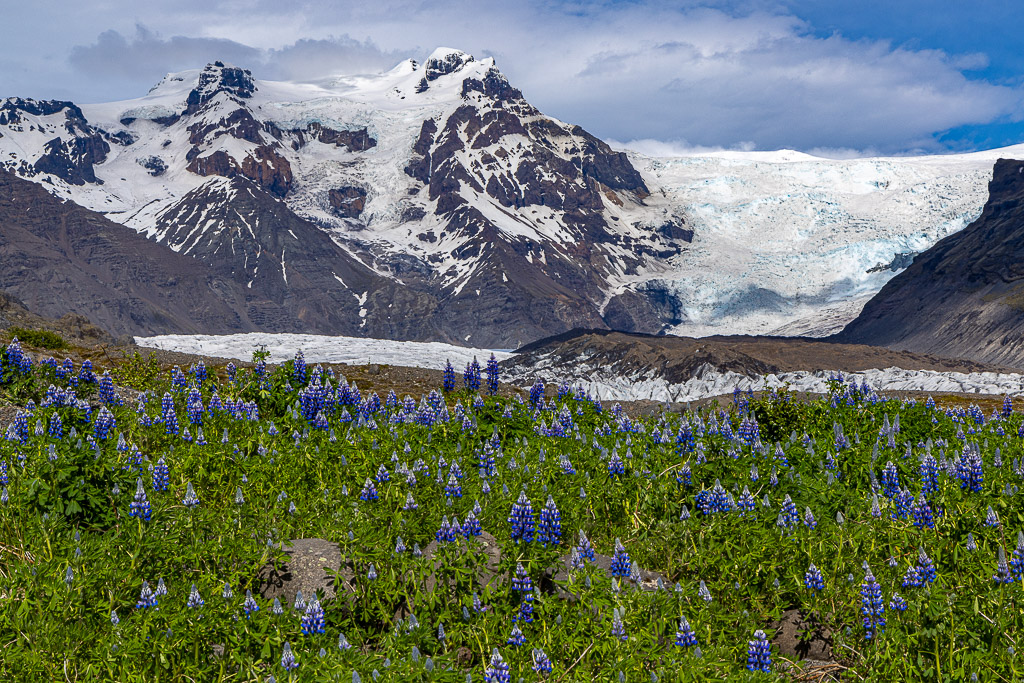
(219,77)
(444,61)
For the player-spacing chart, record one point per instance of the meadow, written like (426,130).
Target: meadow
(140,508)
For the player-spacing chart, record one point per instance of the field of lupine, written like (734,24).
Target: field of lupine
(134,525)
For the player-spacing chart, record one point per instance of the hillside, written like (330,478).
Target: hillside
(964,297)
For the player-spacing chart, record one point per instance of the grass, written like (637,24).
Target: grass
(303,449)
(41,339)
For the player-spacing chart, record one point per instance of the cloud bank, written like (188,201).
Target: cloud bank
(720,75)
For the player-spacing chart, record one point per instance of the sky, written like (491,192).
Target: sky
(853,78)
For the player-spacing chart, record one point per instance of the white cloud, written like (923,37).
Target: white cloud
(631,71)
(146,56)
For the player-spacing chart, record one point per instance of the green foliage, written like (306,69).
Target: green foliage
(41,339)
(299,481)
(137,371)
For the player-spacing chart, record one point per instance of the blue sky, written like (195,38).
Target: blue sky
(853,78)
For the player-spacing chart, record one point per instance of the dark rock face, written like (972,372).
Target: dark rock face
(645,310)
(356,140)
(73,162)
(449,63)
(348,201)
(526,162)
(216,78)
(155,165)
(964,297)
(75,148)
(60,258)
(268,169)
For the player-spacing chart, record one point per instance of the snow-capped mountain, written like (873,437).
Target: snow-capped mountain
(434,202)
(497,224)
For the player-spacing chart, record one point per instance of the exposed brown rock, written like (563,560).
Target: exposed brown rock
(264,166)
(347,201)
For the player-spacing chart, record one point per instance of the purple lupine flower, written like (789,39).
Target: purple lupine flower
(1002,574)
(492,375)
(313,618)
(521,582)
(809,520)
(912,578)
(521,519)
(929,474)
(195,600)
(299,368)
(106,391)
(447,533)
(922,511)
(970,473)
(497,670)
(813,579)
(288,662)
(621,564)
(788,516)
(746,502)
(759,653)
(191,500)
(872,605)
(586,550)
(1017,558)
(516,638)
(903,506)
(471,376)
(249,604)
(453,489)
(161,476)
(991,518)
(550,530)
(146,597)
(140,507)
(541,662)
(369,492)
(471,525)
(685,637)
(105,423)
(448,383)
(618,629)
(615,466)
(890,480)
(536,394)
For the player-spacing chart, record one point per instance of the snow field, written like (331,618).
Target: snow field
(323,349)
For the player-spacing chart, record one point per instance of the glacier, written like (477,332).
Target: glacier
(600,382)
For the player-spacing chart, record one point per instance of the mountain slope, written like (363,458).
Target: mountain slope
(60,258)
(964,297)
